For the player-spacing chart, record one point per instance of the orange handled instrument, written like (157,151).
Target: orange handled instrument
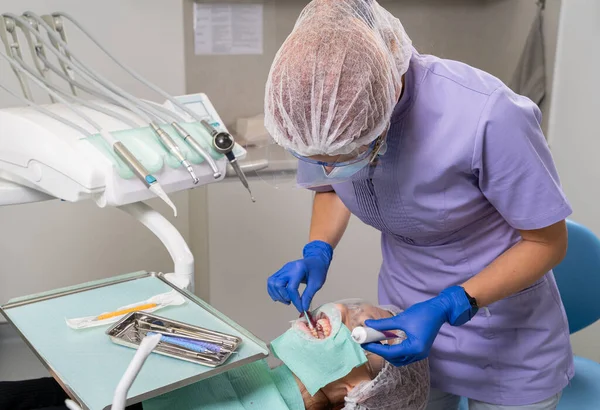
(125,311)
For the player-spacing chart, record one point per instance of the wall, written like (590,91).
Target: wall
(551,17)
(48,245)
(573,128)
(487,34)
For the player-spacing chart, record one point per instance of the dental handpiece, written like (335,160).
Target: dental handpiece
(362,335)
(223,143)
(198,148)
(174,149)
(142,173)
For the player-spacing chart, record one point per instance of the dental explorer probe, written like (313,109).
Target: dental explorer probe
(119,148)
(223,143)
(309,321)
(155,88)
(163,137)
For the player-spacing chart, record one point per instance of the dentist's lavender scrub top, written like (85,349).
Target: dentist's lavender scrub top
(466,167)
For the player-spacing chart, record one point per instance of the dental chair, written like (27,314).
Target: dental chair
(578,279)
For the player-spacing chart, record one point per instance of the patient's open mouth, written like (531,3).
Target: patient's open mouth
(321,326)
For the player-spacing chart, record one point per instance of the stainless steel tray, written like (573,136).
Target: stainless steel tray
(88,365)
(126,332)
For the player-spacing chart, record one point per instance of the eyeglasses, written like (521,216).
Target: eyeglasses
(370,152)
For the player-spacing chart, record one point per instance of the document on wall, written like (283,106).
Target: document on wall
(228,29)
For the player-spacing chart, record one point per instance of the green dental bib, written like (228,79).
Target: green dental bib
(318,362)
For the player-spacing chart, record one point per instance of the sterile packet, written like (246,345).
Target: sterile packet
(172,298)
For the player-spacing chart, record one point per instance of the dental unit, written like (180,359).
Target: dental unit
(122,96)
(56,20)
(97,141)
(136,166)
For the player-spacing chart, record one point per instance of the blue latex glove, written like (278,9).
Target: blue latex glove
(311,270)
(421,322)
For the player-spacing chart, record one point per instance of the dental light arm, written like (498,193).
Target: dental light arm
(176,246)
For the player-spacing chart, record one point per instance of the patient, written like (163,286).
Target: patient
(376,384)
(372,385)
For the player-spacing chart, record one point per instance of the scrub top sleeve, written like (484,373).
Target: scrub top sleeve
(514,166)
(302,168)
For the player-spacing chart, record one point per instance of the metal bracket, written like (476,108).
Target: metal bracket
(8,35)
(56,22)
(36,47)
(542,4)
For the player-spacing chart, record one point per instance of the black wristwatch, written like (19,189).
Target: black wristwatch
(472,302)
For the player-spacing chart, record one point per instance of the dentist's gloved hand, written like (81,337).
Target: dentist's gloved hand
(421,322)
(311,270)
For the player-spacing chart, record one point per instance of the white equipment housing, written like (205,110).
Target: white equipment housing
(41,153)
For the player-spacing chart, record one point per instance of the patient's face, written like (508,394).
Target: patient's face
(353,315)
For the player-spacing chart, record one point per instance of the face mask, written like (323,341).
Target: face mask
(347,171)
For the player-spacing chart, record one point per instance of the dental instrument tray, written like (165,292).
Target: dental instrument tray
(179,340)
(88,365)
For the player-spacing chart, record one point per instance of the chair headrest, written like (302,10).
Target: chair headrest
(578,277)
